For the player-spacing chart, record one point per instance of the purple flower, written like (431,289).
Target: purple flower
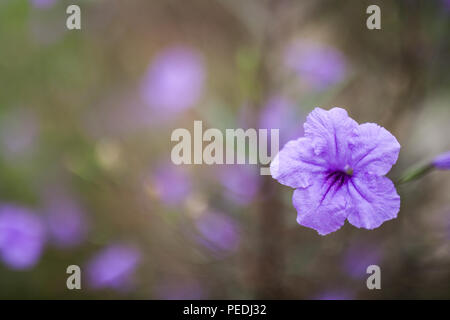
(446,4)
(174,80)
(279,113)
(43,4)
(241,183)
(338,170)
(318,65)
(442,161)
(218,232)
(22,237)
(171,184)
(335,295)
(66,220)
(114,267)
(358,257)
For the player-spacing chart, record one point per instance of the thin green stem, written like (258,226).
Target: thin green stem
(415,173)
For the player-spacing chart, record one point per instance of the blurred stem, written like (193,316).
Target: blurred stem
(269,264)
(415,173)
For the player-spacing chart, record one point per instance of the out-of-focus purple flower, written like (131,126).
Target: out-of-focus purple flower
(113,267)
(179,290)
(241,182)
(280,113)
(18,133)
(43,4)
(174,80)
(318,65)
(338,172)
(66,220)
(171,184)
(446,4)
(218,232)
(358,258)
(442,161)
(22,237)
(335,295)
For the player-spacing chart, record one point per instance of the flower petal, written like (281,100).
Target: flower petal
(374,149)
(321,206)
(442,161)
(329,132)
(373,200)
(296,164)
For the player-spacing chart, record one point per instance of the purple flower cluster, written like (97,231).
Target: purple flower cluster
(338,170)
(218,232)
(318,65)
(67,225)
(171,184)
(174,80)
(22,237)
(241,183)
(113,267)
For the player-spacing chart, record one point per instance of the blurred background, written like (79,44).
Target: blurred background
(85,123)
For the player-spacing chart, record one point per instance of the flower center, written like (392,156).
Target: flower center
(339,177)
(348,170)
